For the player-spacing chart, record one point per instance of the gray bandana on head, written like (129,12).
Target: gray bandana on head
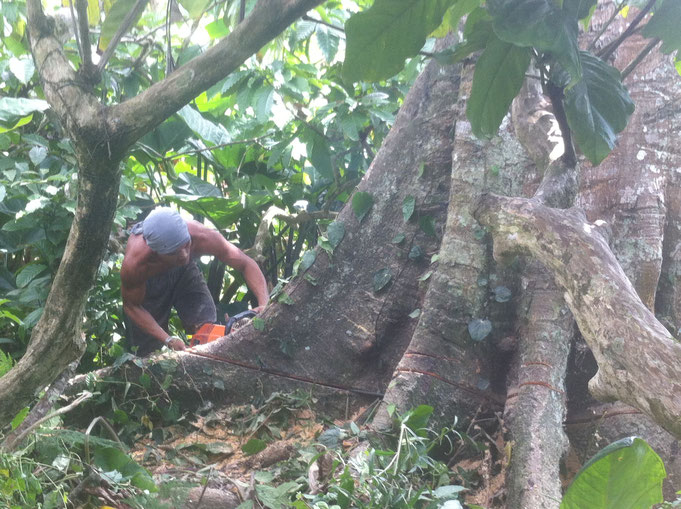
(165,231)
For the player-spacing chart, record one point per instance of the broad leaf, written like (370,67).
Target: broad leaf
(479,329)
(209,131)
(361,203)
(110,459)
(627,474)
(665,25)
(580,9)
(541,24)
(28,273)
(307,260)
(380,38)
(12,108)
(382,278)
(499,74)
(335,233)
(194,7)
(597,108)
(22,68)
(253,446)
(452,17)
(477,32)
(328,42)
(114,19)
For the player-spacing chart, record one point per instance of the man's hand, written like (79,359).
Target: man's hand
(259,309)
(176,344)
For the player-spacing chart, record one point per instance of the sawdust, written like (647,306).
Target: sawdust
(212,441)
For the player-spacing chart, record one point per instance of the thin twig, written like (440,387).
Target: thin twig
(84,40)
(644,52)
(608,50)
(83,397)
(75,28)
(108,427)
(607,24)
(128,21)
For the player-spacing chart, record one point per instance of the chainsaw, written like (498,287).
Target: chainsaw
(209,332)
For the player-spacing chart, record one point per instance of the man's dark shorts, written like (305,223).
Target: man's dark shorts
(183,288)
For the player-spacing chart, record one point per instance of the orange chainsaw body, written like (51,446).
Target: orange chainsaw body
(208,333)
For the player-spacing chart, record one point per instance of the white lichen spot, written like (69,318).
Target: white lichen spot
(587,228)
(641,155)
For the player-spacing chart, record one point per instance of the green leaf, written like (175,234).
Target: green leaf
(597,108)
(285,298)
(415,314)
(499,74)
(13,108)
(665,25)
(398,239)
(335,233)
(479,329)
(380,38)
(627,474)
(541,24)
(382,278)
(253,446)
(28,273)
(22,68)
(111,459)
(194,7)
(19,418)
(320,156)
(580,9)
(209,131)
(361,203)
(450,21)
(408,205)
(258,323)
(478,30)
(264,99)
(328,43)
(307,260)
(417,419)
(114,19)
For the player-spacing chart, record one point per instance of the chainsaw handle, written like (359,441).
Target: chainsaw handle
(249,313)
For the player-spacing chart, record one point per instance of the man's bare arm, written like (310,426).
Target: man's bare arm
(211,242)
(133,297)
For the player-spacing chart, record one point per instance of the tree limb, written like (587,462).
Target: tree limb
(636,355)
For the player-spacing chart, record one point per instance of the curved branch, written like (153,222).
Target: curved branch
(637,357)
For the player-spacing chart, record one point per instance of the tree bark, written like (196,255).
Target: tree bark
(337,330)
(636,355)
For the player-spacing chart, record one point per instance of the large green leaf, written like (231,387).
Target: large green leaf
(499,74)
(597,108)
(665,25)
(209,131)
(540,24)
(627,474)
(12,108)
(194,7)
(223,212)
(380,38)
(114,19)
(110,459)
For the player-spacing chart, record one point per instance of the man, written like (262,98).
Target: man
(159,272)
